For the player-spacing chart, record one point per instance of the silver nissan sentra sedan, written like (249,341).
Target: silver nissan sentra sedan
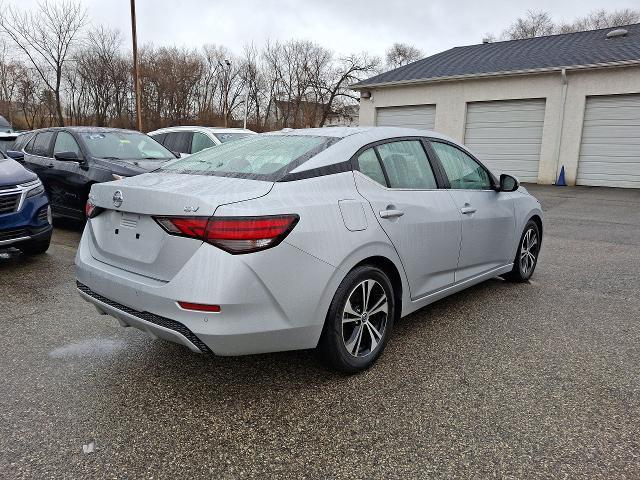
(315,238)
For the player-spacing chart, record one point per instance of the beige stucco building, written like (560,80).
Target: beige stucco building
(527,107)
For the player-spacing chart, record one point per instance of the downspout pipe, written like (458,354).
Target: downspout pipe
(563,101)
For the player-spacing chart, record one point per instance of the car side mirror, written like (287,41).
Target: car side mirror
(66,156)
(15,154)
(508,183)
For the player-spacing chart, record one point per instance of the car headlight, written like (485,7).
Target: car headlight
(33,188)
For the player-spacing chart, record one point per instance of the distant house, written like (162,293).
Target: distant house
(345,117)
(306,114)
(528,107)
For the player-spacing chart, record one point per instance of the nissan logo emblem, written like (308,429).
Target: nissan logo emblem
(117,199)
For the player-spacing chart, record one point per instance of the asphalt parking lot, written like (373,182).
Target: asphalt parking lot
(529,381)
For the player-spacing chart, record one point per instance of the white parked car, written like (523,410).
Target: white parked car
(189,140)
(302,239)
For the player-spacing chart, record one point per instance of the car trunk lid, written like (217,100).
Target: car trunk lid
(126,235)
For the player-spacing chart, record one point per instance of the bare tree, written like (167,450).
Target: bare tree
(533,24)
(400,54)
(601,19)
(10,71)
(539,23)
(334,92)
(45,37)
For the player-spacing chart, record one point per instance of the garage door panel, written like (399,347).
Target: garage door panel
(499,133)
(607,168)
(474,117)
(507,149)
(610,151)
(609,131)
(610,145)
(411,116)
(507,135)
(617,113)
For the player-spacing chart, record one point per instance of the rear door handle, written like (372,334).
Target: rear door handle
(391,213)
(467,210)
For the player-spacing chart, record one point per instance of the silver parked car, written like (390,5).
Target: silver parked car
(315,238)
(187,140)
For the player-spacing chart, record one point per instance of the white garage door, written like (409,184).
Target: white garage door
(422,117)
(506,135)
(610,149)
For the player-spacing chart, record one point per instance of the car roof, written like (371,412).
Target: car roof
(81,129)
(201,128)
(352,140)
(342,132)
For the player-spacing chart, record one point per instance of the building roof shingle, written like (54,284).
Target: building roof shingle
(551,52)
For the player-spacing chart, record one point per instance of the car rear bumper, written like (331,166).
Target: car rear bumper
(270,301)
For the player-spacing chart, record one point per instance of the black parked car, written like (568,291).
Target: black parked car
(69,160)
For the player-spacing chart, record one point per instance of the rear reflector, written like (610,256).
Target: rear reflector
(199,307)
(233,234)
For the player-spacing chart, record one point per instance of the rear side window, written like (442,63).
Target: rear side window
(200,141)
(369,165)
(66,143)
(159,137)
(463,172)
(178,142)
(407,165)
(42,144)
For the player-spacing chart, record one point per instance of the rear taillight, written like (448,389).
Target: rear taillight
(233,234)
(91,210)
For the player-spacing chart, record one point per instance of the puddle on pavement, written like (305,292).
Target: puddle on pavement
(94,347)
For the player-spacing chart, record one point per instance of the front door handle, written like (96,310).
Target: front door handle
(391,213)
(467,210)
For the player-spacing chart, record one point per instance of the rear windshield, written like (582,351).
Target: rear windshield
(227,137)
(124,146)
(263,157)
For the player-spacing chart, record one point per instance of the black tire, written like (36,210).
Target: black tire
(35,248)
(521,272)
(332,348)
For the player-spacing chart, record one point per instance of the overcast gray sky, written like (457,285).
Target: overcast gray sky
(344,26)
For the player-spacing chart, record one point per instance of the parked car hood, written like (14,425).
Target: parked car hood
(12,173)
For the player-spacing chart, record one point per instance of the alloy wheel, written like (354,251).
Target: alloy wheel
(364,318)
(528,252)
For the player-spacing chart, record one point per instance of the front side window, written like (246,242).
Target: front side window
(259,156)
(463,172)
(66,143)
(200,141)
(407,165)
(369,165)
(124,145)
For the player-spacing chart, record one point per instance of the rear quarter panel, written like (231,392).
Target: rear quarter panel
(321,230)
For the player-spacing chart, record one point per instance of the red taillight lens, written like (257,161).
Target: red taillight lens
(189,226)
(233,234)
(199,307)
(91,210)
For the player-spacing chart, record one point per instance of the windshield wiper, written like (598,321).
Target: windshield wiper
(110,158)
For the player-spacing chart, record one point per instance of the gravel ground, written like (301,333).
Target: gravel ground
(512,381)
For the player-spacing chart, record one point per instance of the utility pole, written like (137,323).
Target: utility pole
(246,104)
(136,76)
